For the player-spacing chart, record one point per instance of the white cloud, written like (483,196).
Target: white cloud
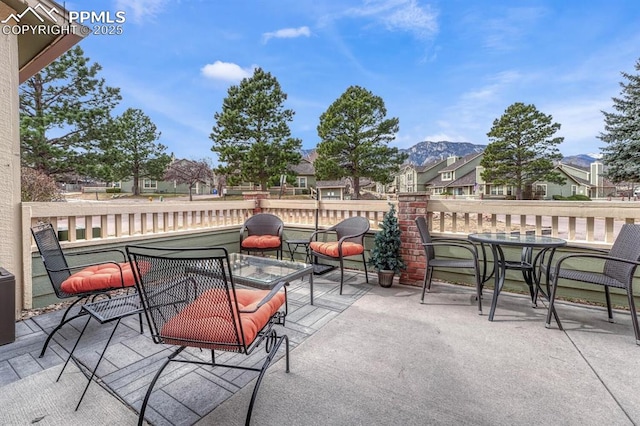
(400,15)
(141,10)
(287,33)
(226,71)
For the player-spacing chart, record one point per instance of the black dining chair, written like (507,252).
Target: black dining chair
(434,261)
(615,269)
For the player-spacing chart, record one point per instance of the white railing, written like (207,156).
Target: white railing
(595,222)
(119,222)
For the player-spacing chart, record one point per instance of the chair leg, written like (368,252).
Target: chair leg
(59,326)
(263,370)
(424,283)
(341,275)
(366,274)
(634,316)
(479,291)
(551,311)
(143,408)
(607,296)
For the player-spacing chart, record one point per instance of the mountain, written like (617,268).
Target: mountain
(581,160)
(428,151)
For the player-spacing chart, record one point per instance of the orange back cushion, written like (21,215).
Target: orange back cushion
(261,241)
(331,248)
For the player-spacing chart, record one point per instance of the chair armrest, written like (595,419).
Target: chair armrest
(466,245)
(319,231)
(94,251)
(593,256)
(268,297)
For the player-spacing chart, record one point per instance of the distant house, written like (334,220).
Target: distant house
(305,174)
(149,186)
(458,177)
(579,180)
(414,178)
(332,189)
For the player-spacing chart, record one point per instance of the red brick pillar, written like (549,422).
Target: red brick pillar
(257,196)
(410,206)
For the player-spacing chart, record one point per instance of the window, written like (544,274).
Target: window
(497,190)
(541,189)
(116,184)
(447,175)
(574,189)
(302,182)
(510,190)
(150,184)
(410,177)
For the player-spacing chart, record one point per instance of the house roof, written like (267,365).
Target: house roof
(467,180)
(461,162)
(430,165)
(37,49)
(304,168)
(342,183)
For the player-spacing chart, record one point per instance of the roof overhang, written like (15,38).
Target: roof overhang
(53,37)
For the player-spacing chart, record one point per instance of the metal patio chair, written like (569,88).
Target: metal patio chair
(433,261)
(618,268)
(262,233)
(84,282)
(190,300)
(349,241)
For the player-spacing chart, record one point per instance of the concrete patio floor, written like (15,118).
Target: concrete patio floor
(371,356)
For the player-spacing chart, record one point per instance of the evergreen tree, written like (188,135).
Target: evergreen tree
(385,254)
(354,137)
(135,152)
(64,115)
(522,149)
(622,132)
(252,135)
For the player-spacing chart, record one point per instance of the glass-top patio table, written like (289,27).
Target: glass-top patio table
(526,264)
(265,272)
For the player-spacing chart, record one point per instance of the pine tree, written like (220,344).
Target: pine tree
(385,254)
(354,142)
(522,149)
(252,135)
(622,133)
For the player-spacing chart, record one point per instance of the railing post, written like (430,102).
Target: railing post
(410,206)
(257,196)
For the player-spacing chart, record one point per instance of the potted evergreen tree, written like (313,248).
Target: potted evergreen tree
(385,255)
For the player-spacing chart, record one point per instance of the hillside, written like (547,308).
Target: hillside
(428,151)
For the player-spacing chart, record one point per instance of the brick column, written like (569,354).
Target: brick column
(257,196)
(410,206)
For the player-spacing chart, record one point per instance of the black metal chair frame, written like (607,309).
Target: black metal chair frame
(430,245)
(58,270)
(262,224)
(175,279)
(619,266)
(352,229)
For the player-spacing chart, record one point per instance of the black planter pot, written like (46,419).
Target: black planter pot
(385,278)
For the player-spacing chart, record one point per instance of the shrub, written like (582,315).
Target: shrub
(38,186)
(385,255)
(576,197)
(114,190)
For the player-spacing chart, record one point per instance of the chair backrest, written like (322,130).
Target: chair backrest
(264,224)
(356,225)
(626,246)
(188,296)
(425,236)
(52,256)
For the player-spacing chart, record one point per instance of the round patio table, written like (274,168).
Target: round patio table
(528,242)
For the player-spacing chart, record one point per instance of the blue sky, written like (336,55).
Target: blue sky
(445,68)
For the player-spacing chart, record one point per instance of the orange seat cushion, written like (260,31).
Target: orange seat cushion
(99,277)
(331,249)
(261,241)
(209,319)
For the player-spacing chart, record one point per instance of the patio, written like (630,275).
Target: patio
(370,356)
